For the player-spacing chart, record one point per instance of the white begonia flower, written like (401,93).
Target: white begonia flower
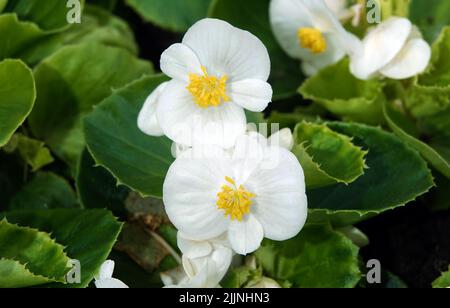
(205,263)
(254,191)
(394,49)
(104,278)
(147,120)
(308,30)
(217,72)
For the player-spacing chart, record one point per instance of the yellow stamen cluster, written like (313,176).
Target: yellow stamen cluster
(235,201)
(208,90)
(312,39)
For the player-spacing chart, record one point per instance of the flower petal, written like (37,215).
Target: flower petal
(184,122)
(191,248)
(245,236)
(110,283)
(226,50)
(178,61)
(147,119)
(190,192)
(380,47)
(106,270)
(251,94)
(413,59)
(282,138)
(280,204)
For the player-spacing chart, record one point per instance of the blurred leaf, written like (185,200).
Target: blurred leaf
(396,175)
(50,15)
(443,281)
(29,257)
(327,157)
(97,188)
(430,16)
(3,4)
(174,15)
(316,258)
(17,96)
(116,143)
(430,92)
(44,191)
(69,84)
(336,89)
(394,118)
(253,16)
(32,151)
(88,235)
(106,4)
(100,26)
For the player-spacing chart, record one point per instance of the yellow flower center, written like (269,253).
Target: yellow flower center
(208,90)
(312,39)
(235,201)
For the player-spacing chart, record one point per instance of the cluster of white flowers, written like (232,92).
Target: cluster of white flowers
(228,188)
(311,31)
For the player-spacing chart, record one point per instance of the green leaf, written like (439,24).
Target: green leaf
(100,26)
(17,96)
(32,151)
(316,258)
(174,15)
(430,92)
(25,40)
(350,99)
(105,4)
(45,191)
(50,15)
(396,175)
(114,140)
(69,84)
(395,119)
(327,157)
(88,235)
(253,16)
(97,188)
(38,254)
(3,4)
(430,16)
(443,281)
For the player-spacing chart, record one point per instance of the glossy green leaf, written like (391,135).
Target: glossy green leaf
(17,96)
(116,143)
(347,97)
(69,84)
(38,257)
(253,16)
(327,157)
(395,119)
(175,15)
(32,151)
(396,175)
(45,191)
(97,188)
(99,26)
(316,258)
(50,15)
(88,235)
(443,281)
(430,16)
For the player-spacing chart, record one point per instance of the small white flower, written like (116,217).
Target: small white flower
(217,72)
(104,278)
(205,263)
(394,49)
(309,31)
(252,192)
